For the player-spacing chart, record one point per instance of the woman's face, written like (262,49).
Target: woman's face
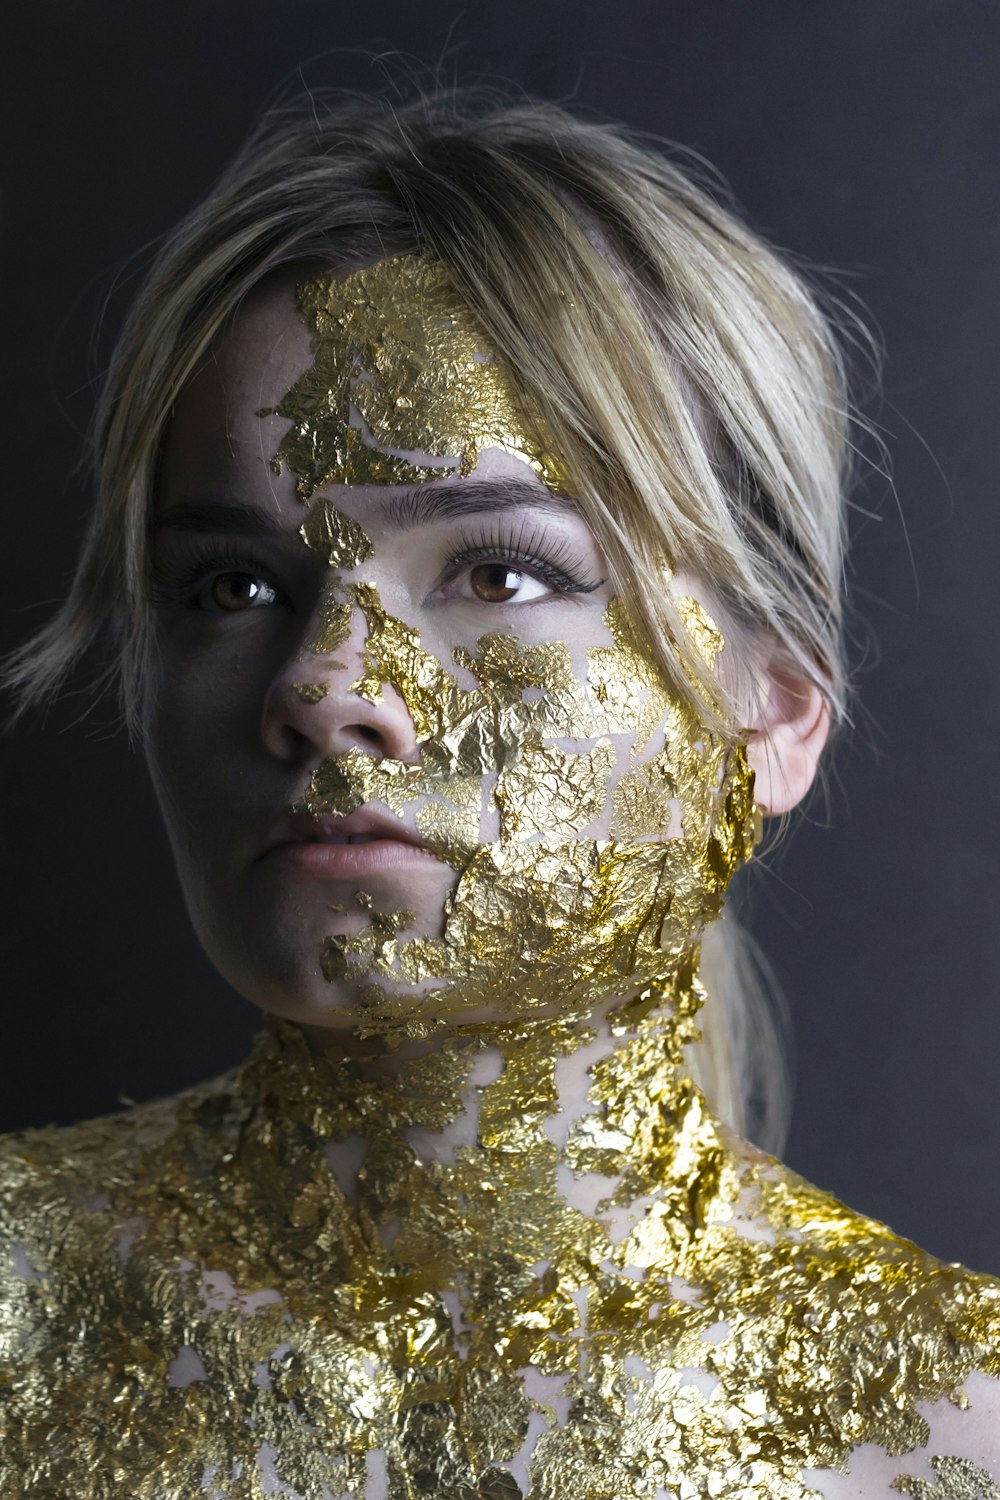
(371,718)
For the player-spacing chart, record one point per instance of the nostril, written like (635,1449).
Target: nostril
(367,732)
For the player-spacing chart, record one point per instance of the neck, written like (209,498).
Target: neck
(547,1139)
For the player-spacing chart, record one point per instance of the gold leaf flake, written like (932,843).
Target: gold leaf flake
(327,529)
(958,1480)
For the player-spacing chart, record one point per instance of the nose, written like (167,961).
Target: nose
(310,713)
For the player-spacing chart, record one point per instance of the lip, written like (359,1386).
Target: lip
(323,847)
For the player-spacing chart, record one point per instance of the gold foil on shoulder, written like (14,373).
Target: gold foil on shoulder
(399,367)
(958,1479)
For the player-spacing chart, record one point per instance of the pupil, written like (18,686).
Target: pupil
(233,590)
(494,582)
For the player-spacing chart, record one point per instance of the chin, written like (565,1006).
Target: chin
(273,956)
(336,1010)
(285,892)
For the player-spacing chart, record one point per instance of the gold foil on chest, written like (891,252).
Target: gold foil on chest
(698,1355)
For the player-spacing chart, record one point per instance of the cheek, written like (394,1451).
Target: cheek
(547,727)
(168,741)
(199,715)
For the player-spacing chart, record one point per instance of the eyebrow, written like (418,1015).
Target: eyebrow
(228,517)
(441,501)
(401,511)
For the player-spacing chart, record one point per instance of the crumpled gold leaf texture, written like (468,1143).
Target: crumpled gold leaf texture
(188,1304)
(555,912)
(958,1480)
(399,367)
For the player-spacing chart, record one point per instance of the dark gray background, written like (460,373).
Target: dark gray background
(862,134)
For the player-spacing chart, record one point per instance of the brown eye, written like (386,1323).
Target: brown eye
(238,591)
(495,582)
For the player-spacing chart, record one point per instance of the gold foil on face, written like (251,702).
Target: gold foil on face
(327,529)
(378,940)
(339,787)
(555,913)
(549,792)
(334,622)
(311,692)
(399,367)
(346,545)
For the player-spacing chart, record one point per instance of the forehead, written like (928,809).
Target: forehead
(264,346)
(219,441)
(216,431)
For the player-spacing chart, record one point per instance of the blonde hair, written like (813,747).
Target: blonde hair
(686,374)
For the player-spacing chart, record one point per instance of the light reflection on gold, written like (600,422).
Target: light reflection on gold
(327,529)
(334,622)
(545,914)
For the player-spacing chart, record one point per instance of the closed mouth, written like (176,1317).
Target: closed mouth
(365,826)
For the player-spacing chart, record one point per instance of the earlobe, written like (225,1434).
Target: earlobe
(786,740)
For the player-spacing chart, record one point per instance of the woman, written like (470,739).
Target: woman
(470,529)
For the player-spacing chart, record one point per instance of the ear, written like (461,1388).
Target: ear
(787,736)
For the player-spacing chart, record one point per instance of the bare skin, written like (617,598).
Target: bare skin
(232,739)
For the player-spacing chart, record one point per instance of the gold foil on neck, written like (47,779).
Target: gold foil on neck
(399,367)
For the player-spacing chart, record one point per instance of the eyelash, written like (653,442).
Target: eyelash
(525,550)
(204,563)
